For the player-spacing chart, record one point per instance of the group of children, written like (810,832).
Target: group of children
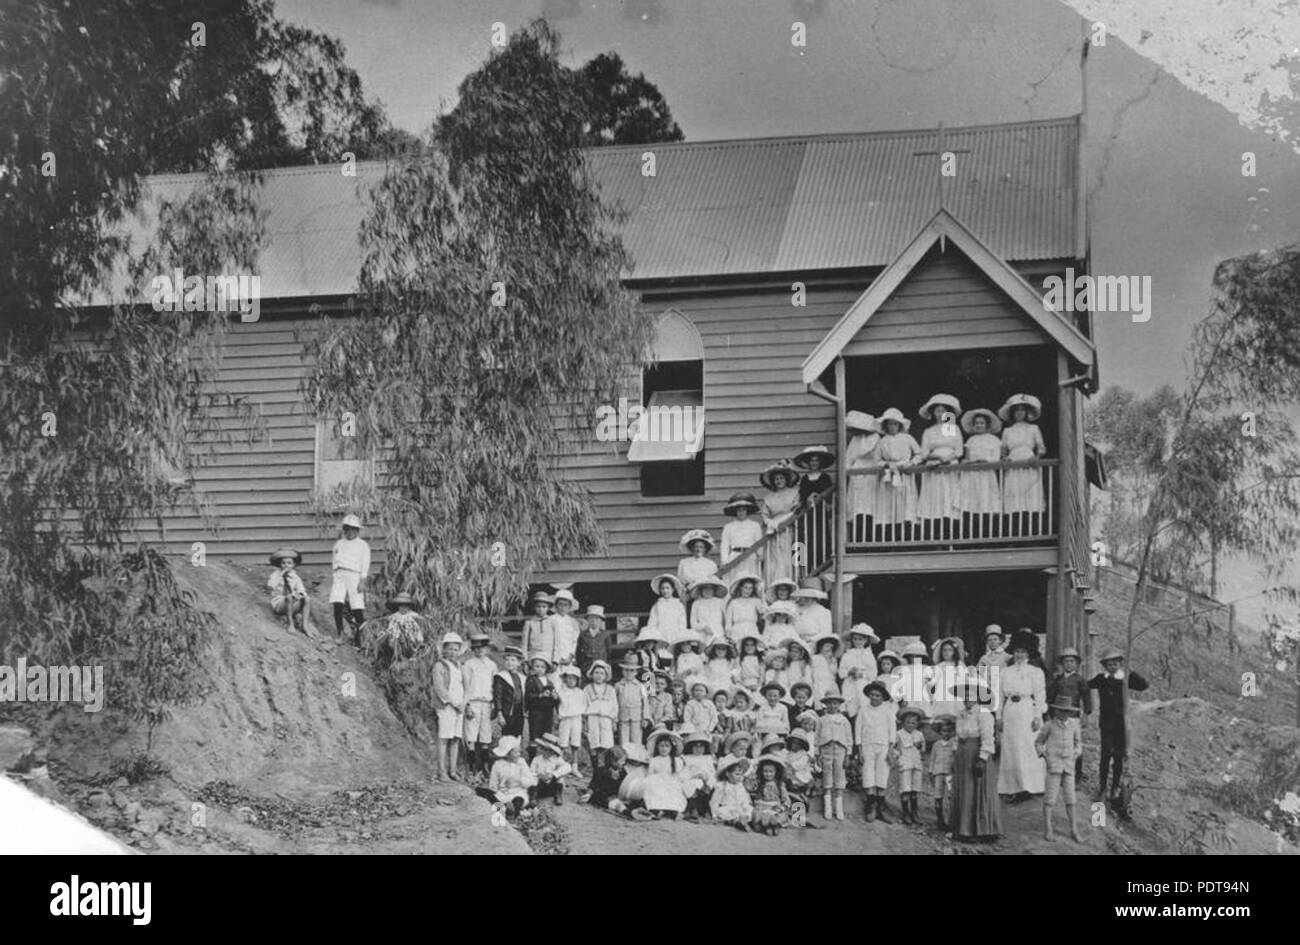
(349,567)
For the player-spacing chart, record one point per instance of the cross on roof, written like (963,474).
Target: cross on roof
(940,150)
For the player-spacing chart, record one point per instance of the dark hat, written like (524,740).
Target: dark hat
(740,500)
(808,452)
(479,639)
(806,687)
(879,687)
(1063,704)
(397,600)
(509,650)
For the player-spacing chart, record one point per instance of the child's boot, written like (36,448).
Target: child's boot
(869,806)
(839,805)
(339,611)
(358,618)
(938,813)
(827,810)
(880,808)
(1048,834)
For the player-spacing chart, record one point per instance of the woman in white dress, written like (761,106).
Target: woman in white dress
(1022,489)
(741,535)
(698,566)
(981,495)
(939,507)
(1023,702)
(779,505)
(896,490)
(861,451)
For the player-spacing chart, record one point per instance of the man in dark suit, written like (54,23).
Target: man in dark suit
(1112,701)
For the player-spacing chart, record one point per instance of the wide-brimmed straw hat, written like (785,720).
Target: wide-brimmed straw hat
(756,638)
(539,658)
(694,535)
(658,580)
(911,710)
(397,600)
(782,467)
(766,757)
(915,648)
(636,753)
(968,419)
(550,743)
(1111,654)
(734,590)
(889,655)
(832,696)
(686,638)
(570,671)
(653,738)
(507,744)
(1068,651)
(992,629)
(512,650)
(858,420)
(782,582)
(721,642)
(822,638)
(726,764)
(940,400)
(451,636)
(350,521)
(811,587)
(801,684)
(879,687)
(771,684)
(281,553)
(599,664)
(729,742)
(566,594)
(649,635)
(740,500)
(786,608)
(715,583)
(863,630)
(1028,400)
(802,458)
(801,734)
(479,638)
(893,413)
(541,597)
(697,737)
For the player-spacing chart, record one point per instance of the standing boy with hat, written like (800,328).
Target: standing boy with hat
(877,730)
(564,627)
(508,693)
(633,704)
(351,566)
(1068,683)
(539,634)
(1112,716)
(476,676)
(593,642)
(1060,745)
(449,705)
(288,592)
(834,741)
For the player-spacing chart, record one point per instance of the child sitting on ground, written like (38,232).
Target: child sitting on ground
(802,768)
(288,592)
(510,780)
(606,778)
(698,774)
(730,802)
(549,768)
(688,663)
(771,800)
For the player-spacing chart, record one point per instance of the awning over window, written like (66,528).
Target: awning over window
(1094,463)
(670,429)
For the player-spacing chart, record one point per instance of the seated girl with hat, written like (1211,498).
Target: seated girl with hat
(667,619)
(510,779)
(744,608)
(730,802)
(708,602)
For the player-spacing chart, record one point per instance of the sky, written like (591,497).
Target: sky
(1174,99)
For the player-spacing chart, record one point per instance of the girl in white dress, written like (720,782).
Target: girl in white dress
(825,667)
(668,615)
(861,452)
(981,496)
(857,666)
(949,655)
(939,507)
(896,491)
(779,505)
(744,609)
(1022,489)
(741,535)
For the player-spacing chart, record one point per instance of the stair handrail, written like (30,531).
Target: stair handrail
(791,521)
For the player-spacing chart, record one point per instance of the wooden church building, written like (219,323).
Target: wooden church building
(794,280)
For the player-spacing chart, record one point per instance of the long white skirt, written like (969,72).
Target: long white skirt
(1020,769)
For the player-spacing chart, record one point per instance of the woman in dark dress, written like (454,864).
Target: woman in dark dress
(975,812)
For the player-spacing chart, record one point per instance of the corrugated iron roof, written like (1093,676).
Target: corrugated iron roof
(744,207)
